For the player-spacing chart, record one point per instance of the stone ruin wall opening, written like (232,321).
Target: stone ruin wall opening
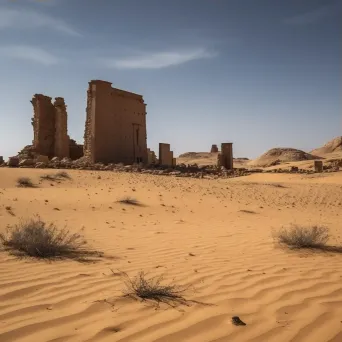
(115,129)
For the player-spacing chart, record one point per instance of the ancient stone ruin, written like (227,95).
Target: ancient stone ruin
(115,129)
(225,158)
(214,149)
(50,128)
(166,156)
(151,157)
(318,166)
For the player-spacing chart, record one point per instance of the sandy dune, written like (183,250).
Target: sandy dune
(215,235)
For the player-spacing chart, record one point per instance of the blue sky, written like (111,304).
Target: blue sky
(258,73)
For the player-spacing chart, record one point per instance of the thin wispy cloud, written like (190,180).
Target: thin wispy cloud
(11,18)
(158,60)
(29,53)
(313,16)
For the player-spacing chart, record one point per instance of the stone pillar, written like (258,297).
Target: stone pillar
(318,165)
(61,129)
(43,123)
(214,149)
(89,131)
(165,155)
(226,157)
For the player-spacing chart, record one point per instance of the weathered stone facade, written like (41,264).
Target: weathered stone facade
(214,149)
(151,157)
(49,122)
(115,128)
(318,166)
(61,129)
(225,158)
(165,155)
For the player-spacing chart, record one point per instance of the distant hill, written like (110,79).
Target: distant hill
(281,155)
(333,146)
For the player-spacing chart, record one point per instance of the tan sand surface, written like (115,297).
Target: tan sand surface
(215,235)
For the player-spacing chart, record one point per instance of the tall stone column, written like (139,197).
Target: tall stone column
(227,155)
(61,129)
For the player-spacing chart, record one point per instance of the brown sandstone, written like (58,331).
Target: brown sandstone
(115,129)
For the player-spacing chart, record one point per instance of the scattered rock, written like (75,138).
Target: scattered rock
(13,161)
(237,321)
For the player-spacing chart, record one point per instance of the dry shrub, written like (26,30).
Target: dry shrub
(152,289)
(25,182)
(304,237)
(130,201)
(63,174)
(36,238)
(55,177)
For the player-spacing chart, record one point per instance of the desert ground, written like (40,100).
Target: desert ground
(215,237)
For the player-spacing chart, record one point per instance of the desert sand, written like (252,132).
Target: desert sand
(213,235)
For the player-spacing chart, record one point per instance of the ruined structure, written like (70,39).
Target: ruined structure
(165,155)
(50,136)
(151,157)
(225,158)
(318,166)
(115,129)
(214,149)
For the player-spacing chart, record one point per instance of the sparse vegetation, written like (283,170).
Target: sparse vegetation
(55,177)
(63,174)
(48,177)
(25,182)
(36,238)
(304,237)
(130,201)
(152,289)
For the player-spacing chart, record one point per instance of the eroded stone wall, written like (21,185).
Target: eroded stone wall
(88,147)
(214,149)
(50,127)
(61,129)
(165,155)
(115,128)
(225,158)
(43,125)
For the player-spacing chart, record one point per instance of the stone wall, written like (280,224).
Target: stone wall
(165,155)
(43,125)
(88,147)
(225,158)
(151,157)
(50,136)
(61,129)
(115,128)
(214,149)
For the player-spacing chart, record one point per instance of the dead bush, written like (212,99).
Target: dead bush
(36,238)
(48,177)
(152,289)
(25,182)
(304,237)
(55,177)
(63,174)
(130,201)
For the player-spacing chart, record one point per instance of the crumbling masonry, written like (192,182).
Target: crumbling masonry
(225,158)
(50,135)
(115,129)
